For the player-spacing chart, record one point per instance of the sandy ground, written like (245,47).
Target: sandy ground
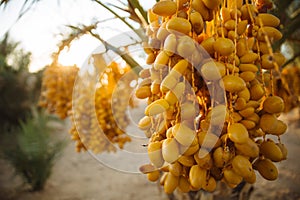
(81,177)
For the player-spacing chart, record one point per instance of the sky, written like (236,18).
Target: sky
(39,30)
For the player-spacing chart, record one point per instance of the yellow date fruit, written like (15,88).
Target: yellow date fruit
(213,70)
(153,176)
(151,16)
(242,166)
(145,123)
(271,32)
(177,24)
(233,83)
(175,169)
(230,24)
(247,112)
(257,92)
(175,94)
(157,107)
(248,124)
(252,178)
(180,67)
(283,149)
(210,185)
(184,185)
(236,117)
(187,161)
(224,46)
(248,67)
(225,13)
(189,150)
(208,140)
(270,150)
(162,32)
(218,115)
(266,168)
(249,57)
(238,133)
(168,83)
(241,47)
(197,22)
(268,122)
(164,8)
(231,177)
(155,86)
(155,153)
(241,27)
(171,182)
(240,104)
(267,19)
(273,104)
(183,134)
(221,157)
(143,92)
(161,60)
(203,159)
(208,45)
(170,150)
(211,4)
(185,46)
(279,129)
(199,6)
(170,44)
(197,176)
(249,148)
(245,94)
(271,125)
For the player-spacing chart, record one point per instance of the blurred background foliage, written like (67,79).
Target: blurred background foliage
(287,83)
(18,87)
(25,131)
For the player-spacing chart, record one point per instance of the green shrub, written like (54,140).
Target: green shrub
(19,88)
(35,150)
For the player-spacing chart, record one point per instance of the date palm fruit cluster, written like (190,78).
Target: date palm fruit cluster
(210,116)
(57,88)
(99,111)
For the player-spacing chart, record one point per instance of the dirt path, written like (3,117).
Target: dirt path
(81,177)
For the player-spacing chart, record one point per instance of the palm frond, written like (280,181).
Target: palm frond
(118,7)
(26,6)
(137,11)
(4,2)
(76,33)
(141,35)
